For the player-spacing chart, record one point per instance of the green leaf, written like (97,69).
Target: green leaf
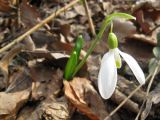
(78,46)
(121,15)
(156,52)
(71,65)
(152,65)
(74,58)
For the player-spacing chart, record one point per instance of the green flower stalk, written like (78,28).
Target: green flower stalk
(73,67)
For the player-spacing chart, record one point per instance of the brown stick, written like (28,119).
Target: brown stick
(118,97)
(148,89)
(89,18)
(36,27)
(124,101)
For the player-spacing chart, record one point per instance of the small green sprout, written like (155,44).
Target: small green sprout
(74,58)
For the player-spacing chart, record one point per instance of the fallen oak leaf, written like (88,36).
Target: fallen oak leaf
(83,96)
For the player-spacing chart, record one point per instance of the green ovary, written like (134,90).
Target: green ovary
(112,41)
(118,64)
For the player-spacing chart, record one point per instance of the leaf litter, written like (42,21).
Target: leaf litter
(31,78)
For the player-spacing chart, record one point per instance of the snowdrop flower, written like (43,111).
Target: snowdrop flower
(107,78)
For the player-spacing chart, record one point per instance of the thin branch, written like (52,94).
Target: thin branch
(125,100)
(36,27)
(148,89)
(91,25)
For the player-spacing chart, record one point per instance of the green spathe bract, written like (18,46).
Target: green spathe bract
(112,41)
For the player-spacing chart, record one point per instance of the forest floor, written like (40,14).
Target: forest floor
(36,40)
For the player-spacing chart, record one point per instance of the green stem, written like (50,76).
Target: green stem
(105,23)
(93,45)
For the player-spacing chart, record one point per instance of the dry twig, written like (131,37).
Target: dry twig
(124,101)
(91,25)
(36,27)
(148,89)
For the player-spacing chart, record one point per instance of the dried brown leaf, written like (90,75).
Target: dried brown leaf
(147,14)
(153,98)
(140,19)
(138,48)
(29,14)
(47,81)
(5,6)
(83,96)
(49,109)
(80,9)
(4,63)
(15,96)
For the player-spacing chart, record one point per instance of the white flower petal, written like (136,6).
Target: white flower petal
(132,63)
(107,78)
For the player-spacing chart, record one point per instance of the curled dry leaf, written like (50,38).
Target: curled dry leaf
(4,63)
(140,19)
(147,13)
(15,97)
(83,96)
(147,109)
(153,98)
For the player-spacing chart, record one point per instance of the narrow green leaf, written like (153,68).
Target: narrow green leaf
(121,15)
(70,67)
(78,46)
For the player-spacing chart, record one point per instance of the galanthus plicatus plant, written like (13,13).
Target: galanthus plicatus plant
(107,78)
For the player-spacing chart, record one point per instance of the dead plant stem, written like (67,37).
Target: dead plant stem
(36,27)
(125,100)
(91,25)
(148,89)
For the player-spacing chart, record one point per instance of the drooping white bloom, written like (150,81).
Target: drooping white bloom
(107,78)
